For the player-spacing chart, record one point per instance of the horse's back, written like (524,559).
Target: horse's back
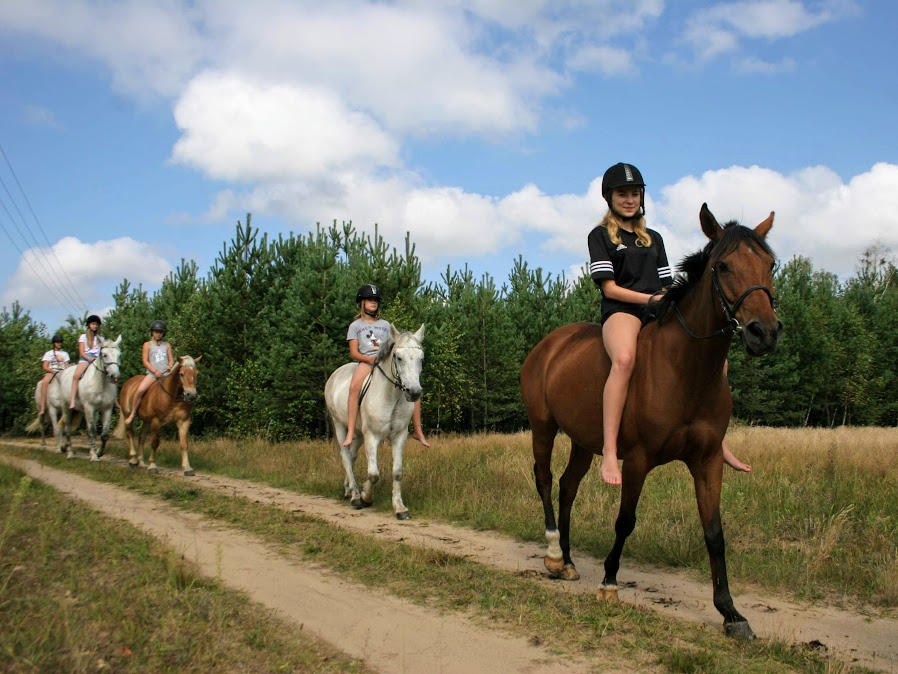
(562,381)
(336,390)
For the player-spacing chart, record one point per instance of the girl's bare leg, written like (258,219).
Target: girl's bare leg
(619,334)
(79,371)
(416,424)
(45,384)
(730,459)
(138,396)
(355,385)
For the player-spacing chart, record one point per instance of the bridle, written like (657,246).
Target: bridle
(396,379)
(100,358)
(733,325)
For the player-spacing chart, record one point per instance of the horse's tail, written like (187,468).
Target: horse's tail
(75,420)
(35,425)
(119,432)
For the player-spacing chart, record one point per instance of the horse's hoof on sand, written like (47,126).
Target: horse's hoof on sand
(367,504)
(403,516)
(569,573)
(189,473)
(740,630)
(153,470)
(356,503)
(608,594)
(133,465)
(553,566)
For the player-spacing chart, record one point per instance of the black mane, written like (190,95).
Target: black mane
(693,266)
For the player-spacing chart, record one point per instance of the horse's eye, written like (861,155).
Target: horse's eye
(723,267)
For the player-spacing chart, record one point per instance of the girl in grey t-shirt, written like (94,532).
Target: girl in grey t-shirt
(366,335)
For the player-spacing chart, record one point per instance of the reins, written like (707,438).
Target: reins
(396,380)
(733,325)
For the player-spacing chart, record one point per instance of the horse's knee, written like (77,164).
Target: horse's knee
(625,523)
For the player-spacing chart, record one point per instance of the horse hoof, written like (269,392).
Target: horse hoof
(608,593)
(100,453)
(403,516)
(356,503)
(367,504)
(189,473)
(553,566)
(739,630)
(569,573)
(153,470)
(133,465)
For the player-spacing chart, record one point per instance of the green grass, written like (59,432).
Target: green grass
(80,592)
(816,519)
(620,636)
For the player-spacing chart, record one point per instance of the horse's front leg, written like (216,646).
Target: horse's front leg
(183,428)
(372,442)
(104,433)
(67,422)
(141,441)
(568,485)
(348,456)
(398,442)
(154,427)
(91,415)
(708,477)
(633,474)
(133,460)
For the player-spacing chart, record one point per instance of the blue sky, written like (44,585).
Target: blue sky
(140,132)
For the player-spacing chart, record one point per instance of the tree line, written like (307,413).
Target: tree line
(270,320)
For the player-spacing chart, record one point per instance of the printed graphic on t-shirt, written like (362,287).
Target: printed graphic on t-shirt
(373,340)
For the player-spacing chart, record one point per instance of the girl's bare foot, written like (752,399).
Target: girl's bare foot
(348,440)
(420,438)
(611,471)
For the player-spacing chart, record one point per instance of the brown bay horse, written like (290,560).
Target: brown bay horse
(678,406)
(168,400)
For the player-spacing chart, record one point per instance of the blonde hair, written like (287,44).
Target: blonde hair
(612,223)
(361,311)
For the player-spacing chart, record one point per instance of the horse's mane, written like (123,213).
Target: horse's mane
(693,266)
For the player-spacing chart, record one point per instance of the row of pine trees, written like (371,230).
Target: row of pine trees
(271,315)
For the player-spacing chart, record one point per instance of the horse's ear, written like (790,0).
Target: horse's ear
(198,358)
(710,226)
(119,340)
(394,333)
(762,229)
(420,334)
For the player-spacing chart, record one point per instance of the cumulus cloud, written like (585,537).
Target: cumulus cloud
(75,273)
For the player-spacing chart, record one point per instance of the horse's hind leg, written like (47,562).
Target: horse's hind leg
(543,438)
(633,474)
(183,428)
(104,433)
(350,486)
(372,442)
(578,465)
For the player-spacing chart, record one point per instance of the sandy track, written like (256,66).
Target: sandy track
(854,637)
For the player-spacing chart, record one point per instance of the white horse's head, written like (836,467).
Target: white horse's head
(111,356)
(408,359)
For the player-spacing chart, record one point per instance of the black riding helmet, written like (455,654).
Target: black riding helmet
(158,325)
(623,175)
(93,318)
(367,292)
(56,338)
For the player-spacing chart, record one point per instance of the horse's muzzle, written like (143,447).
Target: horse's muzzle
(761,338)
(413,393)
(190,397)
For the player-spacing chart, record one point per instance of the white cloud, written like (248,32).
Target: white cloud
(88,272)
(602,59)
(38,115)
(234,129)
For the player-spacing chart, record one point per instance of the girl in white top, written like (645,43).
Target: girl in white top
(53,362)
(88,351)
(158,359)
(366,334)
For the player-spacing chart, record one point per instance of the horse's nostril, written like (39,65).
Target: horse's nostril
(756,329)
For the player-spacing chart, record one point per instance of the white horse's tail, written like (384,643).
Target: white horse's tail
(35,425)
(76,419)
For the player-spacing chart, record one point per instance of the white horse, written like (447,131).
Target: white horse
(96,395)
(388,400)
(53,411)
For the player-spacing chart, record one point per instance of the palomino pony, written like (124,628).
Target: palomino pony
(168,400)
(387,403)
(678,405)
(96,396)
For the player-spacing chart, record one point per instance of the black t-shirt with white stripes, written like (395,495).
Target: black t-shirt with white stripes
(631,266)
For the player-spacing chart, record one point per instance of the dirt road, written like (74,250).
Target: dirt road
(395,636)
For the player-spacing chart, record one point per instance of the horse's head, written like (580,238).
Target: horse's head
(111,357)
(408,358)
(741,269)
(187,372)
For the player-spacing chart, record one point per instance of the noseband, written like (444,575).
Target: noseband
(733,325)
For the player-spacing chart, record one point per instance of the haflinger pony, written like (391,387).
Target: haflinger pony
(678,405)
(167,400)
(387,402)
(52,411)
(96,396)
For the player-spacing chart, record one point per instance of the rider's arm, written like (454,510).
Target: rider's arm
(358,355)
(46,365)
(171,358)
(612,291)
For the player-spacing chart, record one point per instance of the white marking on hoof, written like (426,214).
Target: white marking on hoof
(569,573)
(553,538)
(608,593)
